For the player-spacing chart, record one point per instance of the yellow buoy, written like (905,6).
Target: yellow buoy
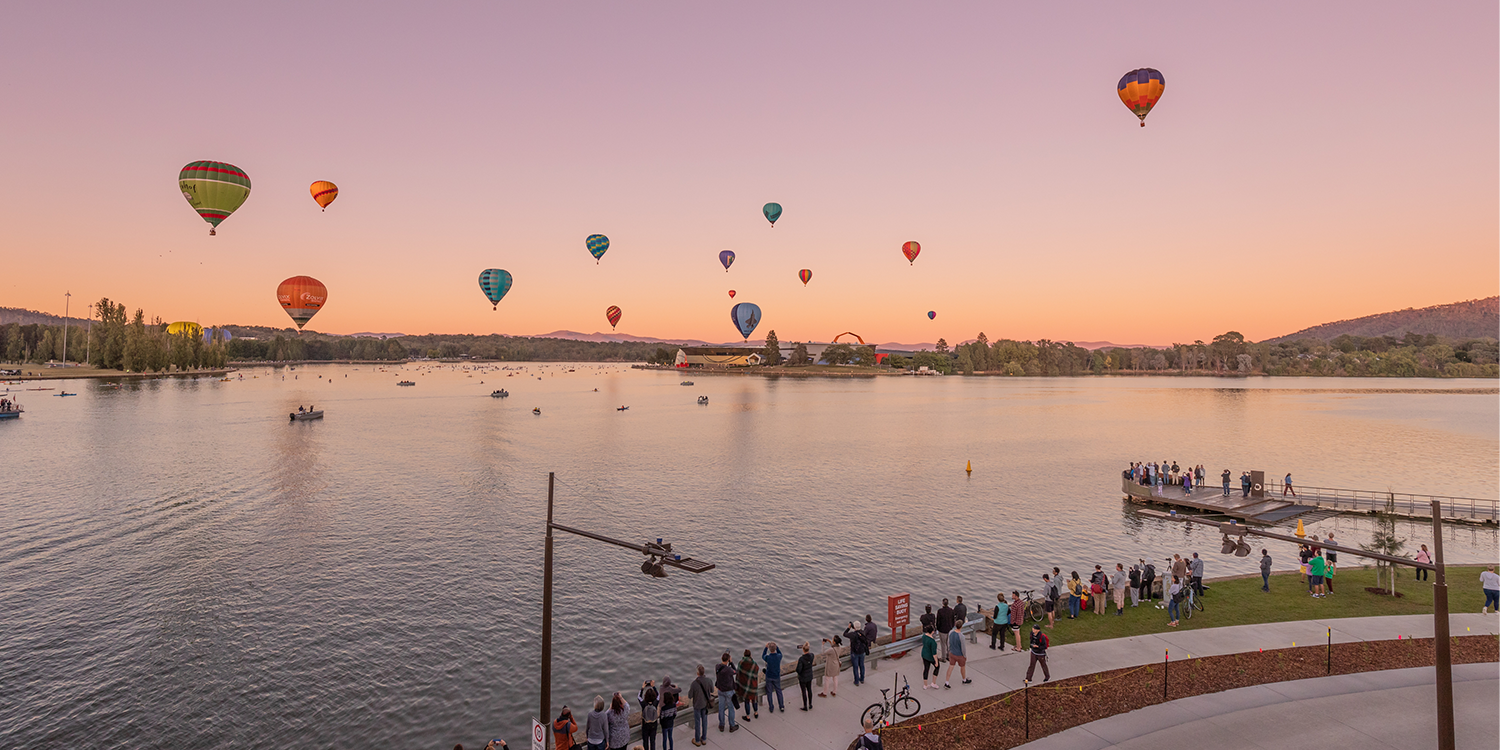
(1301,532)
(969,467)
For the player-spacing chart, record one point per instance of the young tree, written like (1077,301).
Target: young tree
(799,354)
(772,353)
(1385,541)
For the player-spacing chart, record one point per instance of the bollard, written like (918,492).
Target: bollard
(1166,661)
(1026,690)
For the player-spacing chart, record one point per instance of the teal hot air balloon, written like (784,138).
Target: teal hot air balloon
(932,315)
(746,317)
(495,284)
(597,245)
(772,212)
(727,258)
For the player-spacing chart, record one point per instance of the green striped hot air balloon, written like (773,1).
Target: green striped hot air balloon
(214,189)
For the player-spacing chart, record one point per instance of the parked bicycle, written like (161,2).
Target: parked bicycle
(1036,607)
(904,706)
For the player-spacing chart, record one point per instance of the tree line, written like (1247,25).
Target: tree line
(115,340)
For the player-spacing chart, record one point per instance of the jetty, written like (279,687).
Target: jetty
(1266,505)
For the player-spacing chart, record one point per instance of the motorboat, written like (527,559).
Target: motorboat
(686,382)
(303,416)
(702,399)
(10,409)
(536,410)
(502,393)
(406,382)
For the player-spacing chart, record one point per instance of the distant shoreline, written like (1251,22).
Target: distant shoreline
(92,373)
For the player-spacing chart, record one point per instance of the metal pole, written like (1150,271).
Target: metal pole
(1444,660)
(547,620)
(1329,669)
(1166,663)
(67,305)
(88,339)
(1026,693)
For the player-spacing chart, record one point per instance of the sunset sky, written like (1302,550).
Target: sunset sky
(1308,162)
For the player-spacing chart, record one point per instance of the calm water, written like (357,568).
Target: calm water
(183,568)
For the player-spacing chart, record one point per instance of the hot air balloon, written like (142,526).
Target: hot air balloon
(1140,89)
(745,316)
(911,250)
(727,258)
(612,314)
(772,212)
(731,294)
(324,192)
(932,315)
(214,189)
(302,297)
(805,275)
(495,284)
(184,327)
(597,245)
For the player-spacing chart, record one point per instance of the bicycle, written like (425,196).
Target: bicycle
(1035,606)
(904,706)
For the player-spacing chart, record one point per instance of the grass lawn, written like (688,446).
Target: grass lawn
(1241,602)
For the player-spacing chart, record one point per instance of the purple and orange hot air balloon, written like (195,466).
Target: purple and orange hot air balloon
(1140,89)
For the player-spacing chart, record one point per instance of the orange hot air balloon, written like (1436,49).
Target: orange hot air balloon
(324,192)
(911,250)
(731,294)
(302,297)
(612,314)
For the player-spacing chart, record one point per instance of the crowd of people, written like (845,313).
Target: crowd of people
(1158,475)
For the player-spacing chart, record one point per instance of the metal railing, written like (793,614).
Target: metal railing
(1406,503)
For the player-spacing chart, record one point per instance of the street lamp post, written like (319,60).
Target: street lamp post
(658,556)
(67,305)
(88,337)
(1442,658)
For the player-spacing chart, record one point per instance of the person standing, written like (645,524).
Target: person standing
(1174,602)
(596,727)
(960,610)
(650,701)
(956,656)
(771,655)
(928,619)
(747,685)
(869,740)
(1179,567)
(858,648)
(1197,569)
(1423,556)
(724,676)
(929,657)
(1332,556)
(1135,585)
(1075,595)
(671,700)
(563,729)
(1017,616)
(1489,581)
(701,693)
(804,675)
(992,618)
(1097,581)
(1265,571)
(1117,585)
(619,722)
(1050,594)
(944,625)
(872,632)
(1148,580)
(1286,486)
(1315,567)
(829,656)
(1244,484)
(1039,644)
(1225,479)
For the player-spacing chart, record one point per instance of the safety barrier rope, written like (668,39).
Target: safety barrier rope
(1010,696)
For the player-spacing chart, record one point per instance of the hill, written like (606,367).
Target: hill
(1477,318)
(25,317)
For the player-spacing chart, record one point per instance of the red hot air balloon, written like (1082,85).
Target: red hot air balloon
(612,314)
(302,297)
(731,294)
(911,250)
(805,275)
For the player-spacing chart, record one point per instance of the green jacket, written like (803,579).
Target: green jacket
(929,647)
(1316,566)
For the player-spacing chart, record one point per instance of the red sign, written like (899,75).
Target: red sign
(898,610)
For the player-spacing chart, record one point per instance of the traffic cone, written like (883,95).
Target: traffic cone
(969,467)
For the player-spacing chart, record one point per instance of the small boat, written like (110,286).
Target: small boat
(702,399)
(502,393)
(536,410)
(623,408)
(686,382)
(406,382)
(65,393)
(10,410)
(303,416)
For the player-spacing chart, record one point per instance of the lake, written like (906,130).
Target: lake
(183,567)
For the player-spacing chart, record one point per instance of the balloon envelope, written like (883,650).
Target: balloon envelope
(727,258)
(805,275)
(214,189)
(302,297)
(495,283)
(184,326)
(324,192)
(932,315)
(772,212)
(911,250)
(746,316)
(612,314)
(1140,89)
(731,294)
(597,245)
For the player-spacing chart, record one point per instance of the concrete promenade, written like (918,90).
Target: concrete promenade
(1390,710)
(834,721)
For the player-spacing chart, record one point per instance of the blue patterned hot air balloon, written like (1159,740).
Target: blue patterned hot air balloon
(727,258)
(495,284)
(772,212)
(932,315)
(746,316)
(597,245)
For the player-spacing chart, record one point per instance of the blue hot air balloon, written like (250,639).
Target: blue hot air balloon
(772,212)
(932,315)
(727,258)
(495,284)
(746,316)
(597,244)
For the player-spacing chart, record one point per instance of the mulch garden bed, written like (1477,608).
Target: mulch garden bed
(1000,721)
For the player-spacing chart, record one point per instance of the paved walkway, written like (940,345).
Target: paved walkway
(834,721)
(1390,710)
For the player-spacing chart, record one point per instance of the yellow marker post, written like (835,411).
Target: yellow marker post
(969,467)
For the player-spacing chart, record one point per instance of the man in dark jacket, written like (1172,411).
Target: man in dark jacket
(805,676)
(724,675)
(1039,644)
(928,619)
(858,648)
(1148,580)
(872,631)
(700,692)
(944,625)
(960,611)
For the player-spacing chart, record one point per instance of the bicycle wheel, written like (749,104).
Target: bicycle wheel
(1035,610)
(1187,609)
(875,714)
(1198,603)
(907,706)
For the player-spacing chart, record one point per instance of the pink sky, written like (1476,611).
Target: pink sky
(1308,162)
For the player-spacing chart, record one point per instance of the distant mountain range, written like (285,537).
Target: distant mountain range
(1473,319)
